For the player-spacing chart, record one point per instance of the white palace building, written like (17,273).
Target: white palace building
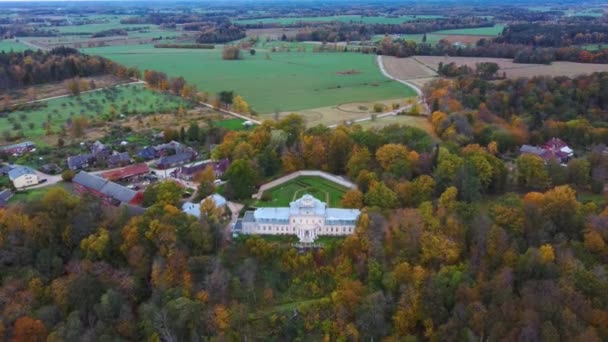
(306,217)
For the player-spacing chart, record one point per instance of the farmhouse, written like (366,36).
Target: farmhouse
(108,192)
(23,176)
(307,217)
(19,148)
(555,149)
(81,161)
(175,160)
(119,159)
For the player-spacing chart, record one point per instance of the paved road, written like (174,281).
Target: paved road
(235,208)
(33,46)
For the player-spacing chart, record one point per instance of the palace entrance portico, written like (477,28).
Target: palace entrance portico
(307,233)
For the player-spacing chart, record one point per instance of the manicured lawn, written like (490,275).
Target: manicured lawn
(11,45)
(232,124)
(322,189)
(478,31)
(285,81)
(341,18)
(131,99)
(36,194)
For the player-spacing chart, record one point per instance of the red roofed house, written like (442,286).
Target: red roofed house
(554,149)
(127,173)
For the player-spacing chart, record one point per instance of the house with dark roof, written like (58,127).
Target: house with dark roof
(147,153)
(4,169)
(100,150)
(19,148)
(119,159)
(127,173)
(81,161)
(5,195)
(107,191)
(175,160)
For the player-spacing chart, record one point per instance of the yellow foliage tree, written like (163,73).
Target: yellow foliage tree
(239,105)
(96,245)
(547,254)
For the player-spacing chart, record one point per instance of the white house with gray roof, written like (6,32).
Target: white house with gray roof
(307,217)
(23,176)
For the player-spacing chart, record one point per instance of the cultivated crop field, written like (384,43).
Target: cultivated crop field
(129,99)
(512,70)
(320,188)
(270,81)
(341,18)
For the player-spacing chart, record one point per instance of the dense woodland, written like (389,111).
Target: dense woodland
(514,112)
(581,31)
(22,69)
(428,261)
(460,237)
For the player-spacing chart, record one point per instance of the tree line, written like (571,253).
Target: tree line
(23,69)
(520,53)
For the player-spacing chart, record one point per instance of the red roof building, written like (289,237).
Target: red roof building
(126,173)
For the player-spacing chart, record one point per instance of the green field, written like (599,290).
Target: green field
(11,45)
(320,188)
(37,194)
(594,47)
(341,18)
(478,31)
(287,81)
(95,105)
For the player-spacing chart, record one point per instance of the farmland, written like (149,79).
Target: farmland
(11,45)
(281,81)
(130,99)
(341,18)
(516,70)
(320,188)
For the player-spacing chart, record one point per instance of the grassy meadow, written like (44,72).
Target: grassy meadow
(320,188)
(11,45)
(341,18)
(269,81)
(131,99)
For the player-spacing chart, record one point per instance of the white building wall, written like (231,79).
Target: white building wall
(25,181)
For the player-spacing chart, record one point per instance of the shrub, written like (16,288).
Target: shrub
(266,197)
(68,175)
(378,108)
(396,106)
